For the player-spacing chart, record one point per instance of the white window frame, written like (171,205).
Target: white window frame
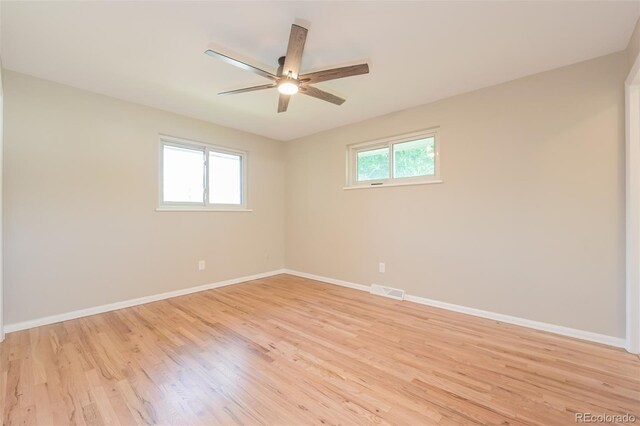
(206,148)
(352,161)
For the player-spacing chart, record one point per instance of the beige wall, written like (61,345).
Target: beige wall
(633,48)
(81,185)
(529,221)
(1,210)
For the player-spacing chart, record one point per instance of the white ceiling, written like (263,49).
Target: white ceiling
(418,52)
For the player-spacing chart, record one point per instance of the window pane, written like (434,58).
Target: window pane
(414,158)
(183,175)
(225,178)
(373,164)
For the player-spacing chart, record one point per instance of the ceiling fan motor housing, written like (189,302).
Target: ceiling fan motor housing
(280,65)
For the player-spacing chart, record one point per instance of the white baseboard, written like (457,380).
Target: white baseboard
(328,280)
(10,328)
(537,325)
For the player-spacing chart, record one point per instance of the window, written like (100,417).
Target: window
(406,159)
(201,177)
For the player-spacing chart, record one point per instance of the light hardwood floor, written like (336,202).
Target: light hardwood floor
(290,351)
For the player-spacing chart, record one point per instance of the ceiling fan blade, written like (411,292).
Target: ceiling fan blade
(321,94)
(283,102)
(294,51)
(241,64)
(248,89)
(335,73)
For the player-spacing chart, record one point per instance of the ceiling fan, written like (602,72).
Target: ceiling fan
(288,79)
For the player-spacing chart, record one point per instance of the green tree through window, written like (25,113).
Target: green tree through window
(414,158)
(373,164)
(410,159)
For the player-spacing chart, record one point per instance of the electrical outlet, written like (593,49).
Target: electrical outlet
(201,265)
(382,267)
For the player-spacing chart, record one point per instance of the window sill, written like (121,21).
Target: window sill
(385,185)
(199,209)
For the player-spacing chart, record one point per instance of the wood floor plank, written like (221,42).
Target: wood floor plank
(286,350)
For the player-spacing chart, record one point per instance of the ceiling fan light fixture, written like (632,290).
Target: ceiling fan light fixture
(288,87)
